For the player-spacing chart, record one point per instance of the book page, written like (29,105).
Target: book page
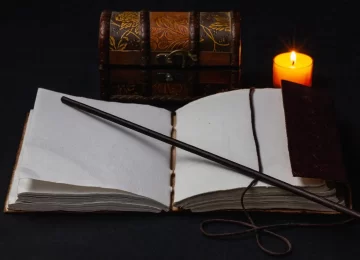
(221,124)
(72,147)
(271,132)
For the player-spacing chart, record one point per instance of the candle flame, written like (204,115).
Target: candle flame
(293,57)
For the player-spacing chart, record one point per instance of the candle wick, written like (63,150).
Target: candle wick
(293,63)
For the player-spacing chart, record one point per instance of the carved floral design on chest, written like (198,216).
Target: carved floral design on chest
(169,31)
(124,31)
(126,89)
(215,31)
(172,89)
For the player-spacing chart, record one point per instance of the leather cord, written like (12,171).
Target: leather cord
(252,227)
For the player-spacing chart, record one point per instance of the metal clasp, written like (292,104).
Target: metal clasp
(169,77)
(167,58)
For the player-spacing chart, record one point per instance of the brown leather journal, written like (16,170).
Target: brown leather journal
(313,143)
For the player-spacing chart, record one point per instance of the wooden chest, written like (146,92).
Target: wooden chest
(176,57)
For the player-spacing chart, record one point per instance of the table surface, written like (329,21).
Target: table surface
(54,45)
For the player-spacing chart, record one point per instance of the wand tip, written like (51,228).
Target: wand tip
(66,101)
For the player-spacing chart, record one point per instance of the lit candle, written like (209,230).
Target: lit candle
(294,67)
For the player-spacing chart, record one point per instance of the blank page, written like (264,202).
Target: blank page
(272,136)
(71,147)
(219,124)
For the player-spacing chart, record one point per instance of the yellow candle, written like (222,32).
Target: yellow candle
(294,67)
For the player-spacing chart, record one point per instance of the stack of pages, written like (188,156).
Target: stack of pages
(72,161)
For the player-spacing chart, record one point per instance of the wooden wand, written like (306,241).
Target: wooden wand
(210,156)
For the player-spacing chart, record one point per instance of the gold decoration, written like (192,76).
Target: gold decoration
(219,22)
(125,89)
(169,33)
(128,22)
(168,89)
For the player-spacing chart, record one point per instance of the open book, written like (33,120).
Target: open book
(72,161)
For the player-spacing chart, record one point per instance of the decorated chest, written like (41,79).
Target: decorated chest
(176,57)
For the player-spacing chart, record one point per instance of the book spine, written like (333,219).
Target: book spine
(173,162)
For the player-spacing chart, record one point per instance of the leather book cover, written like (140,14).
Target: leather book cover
(313,137)
(15,165)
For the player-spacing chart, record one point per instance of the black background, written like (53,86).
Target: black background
(53,45)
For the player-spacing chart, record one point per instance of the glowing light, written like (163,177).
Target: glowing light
(293,57)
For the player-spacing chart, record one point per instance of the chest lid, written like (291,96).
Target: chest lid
(170,39)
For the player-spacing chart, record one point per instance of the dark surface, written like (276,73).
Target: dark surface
(54,45)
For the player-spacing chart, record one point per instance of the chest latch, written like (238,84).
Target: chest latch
(180,58)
